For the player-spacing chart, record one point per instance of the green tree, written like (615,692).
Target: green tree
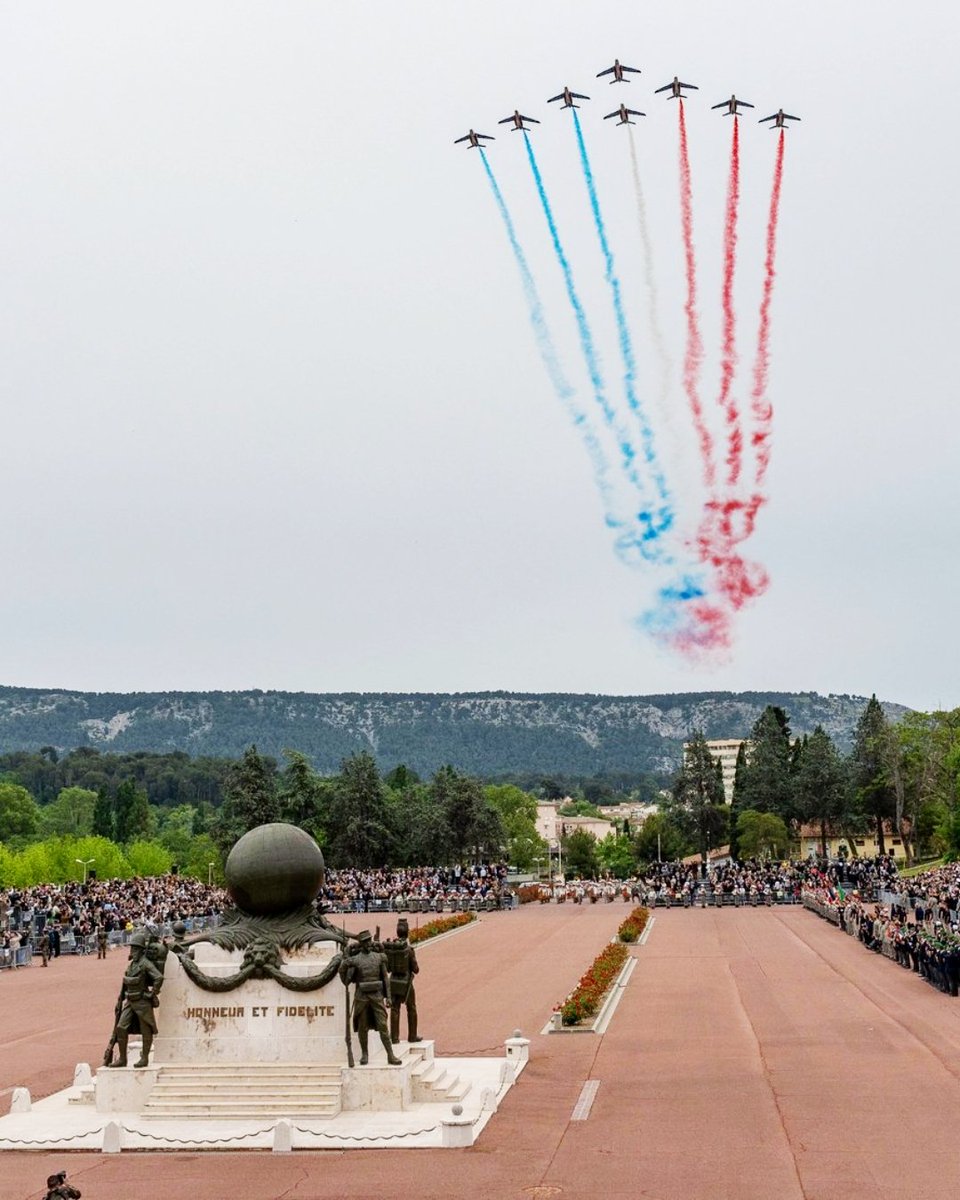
(580,854)
(763,782)
(148,858)
(19,813)
(176,831)
(698,796)
(873,792)
(820,785)
(131,813)
(660,838)
(518,814)
(71,812)
(473,826)
(359,815)
(102,824)
(302,795)
(762,835)
(617,856)
(250,799)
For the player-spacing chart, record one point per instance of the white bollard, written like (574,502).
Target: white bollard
(82,1075)
(457,1129)
(282,1137)
(518,1047)
(20,1100)
(111,1138)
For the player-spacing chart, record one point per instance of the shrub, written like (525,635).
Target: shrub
(634,925)
(588,995)
(441,925)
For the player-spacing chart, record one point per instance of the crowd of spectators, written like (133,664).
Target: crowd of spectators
(919,927)
(72,914)
(428,887)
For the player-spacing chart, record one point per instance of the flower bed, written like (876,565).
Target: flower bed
(634,925)
(586,998)
(441,925)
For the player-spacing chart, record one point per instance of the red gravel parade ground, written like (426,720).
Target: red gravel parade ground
(756,1053)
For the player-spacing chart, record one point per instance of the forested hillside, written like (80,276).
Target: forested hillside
(487,734)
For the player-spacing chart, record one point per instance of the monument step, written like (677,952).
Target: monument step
(234,1111)
(187,1091)
(86,1095)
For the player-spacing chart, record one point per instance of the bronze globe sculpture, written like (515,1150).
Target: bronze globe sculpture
(274,869)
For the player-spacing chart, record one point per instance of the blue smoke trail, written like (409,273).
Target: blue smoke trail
(548,353)
(658,524)
(627,541)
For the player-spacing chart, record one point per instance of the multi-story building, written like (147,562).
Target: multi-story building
(726,750)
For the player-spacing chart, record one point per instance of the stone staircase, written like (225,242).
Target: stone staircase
(234,1091)
(432,1083)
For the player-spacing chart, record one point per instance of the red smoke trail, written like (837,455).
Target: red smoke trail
(694,352)
(760,406)
(729,364)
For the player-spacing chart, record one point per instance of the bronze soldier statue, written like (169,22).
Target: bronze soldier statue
(138,998)
(368,970)
(402,965)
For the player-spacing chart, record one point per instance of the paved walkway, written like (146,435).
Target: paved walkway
(756,1053)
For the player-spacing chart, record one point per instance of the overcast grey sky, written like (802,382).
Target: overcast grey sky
(273,414)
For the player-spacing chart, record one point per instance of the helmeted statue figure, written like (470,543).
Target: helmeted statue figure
(367,969)
(402,965)
(138,998)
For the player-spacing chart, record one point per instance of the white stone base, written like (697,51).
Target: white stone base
(63,1122)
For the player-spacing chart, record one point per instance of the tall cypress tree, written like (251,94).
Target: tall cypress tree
(250,799)
(873,792)
(698,795)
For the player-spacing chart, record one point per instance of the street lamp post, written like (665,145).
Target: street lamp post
(210,874)
(84,862)
(538,861)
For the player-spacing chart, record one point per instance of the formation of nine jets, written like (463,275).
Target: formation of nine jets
(618,71)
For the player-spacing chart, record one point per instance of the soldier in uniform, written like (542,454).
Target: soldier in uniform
(59,1189)
(138,998)
(402,965)
(101,940)
(43,945)
(368,971)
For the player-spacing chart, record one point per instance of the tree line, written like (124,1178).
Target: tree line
(902,776)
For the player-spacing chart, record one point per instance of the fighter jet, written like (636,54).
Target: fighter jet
(518,120)
(568,98)
(779,119)
(733,105)
(474,139)
(625,114)
(675,88)
(617,71)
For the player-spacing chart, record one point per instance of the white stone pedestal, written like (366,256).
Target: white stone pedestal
(260,1021)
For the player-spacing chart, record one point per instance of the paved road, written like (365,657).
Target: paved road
(756,1053)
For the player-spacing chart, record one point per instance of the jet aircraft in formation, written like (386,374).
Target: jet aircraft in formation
(474,139)
(779,119)
(733,105)
(568,98)
(624,114)
(517,118)
(675,88)
(617,71)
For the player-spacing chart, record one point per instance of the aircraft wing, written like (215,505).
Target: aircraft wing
(746,104)
(533,120)
(772,117)
(666,88)
(579,96)
(552,98)
(465,138)
(613,114)
(632,70)
(608,71)
(690,85)
(787,117)
(722,104)
(635,113)
(505,121)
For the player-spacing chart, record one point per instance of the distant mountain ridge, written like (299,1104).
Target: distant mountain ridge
(483,733)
